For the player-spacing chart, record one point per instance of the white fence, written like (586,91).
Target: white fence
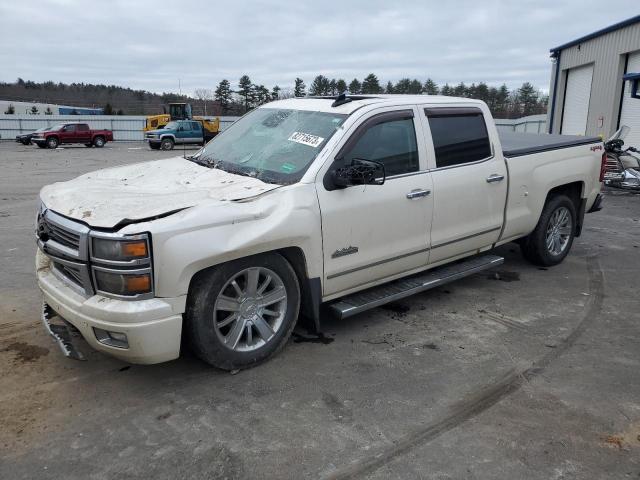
(125,127)
(530,124)
(130,128)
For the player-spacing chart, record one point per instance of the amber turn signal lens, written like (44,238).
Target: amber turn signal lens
(134,249)
(137,283)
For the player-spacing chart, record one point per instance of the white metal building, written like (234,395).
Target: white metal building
(592,83)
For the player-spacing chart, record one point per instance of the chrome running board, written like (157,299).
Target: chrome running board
(405,287)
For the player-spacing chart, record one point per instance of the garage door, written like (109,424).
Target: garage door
(576,101)
(630,113)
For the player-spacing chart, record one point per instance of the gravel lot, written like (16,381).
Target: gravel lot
(522,372)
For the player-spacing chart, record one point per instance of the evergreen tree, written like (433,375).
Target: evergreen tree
(371,84)
(460,90)
(332,87)
(415,87)
(223,95)
(275,93)
(389,88)
(403,86)
(48,111)
(34,110)
(11,110)
(501,109)
(341,86)
(108,109)
(527,99)
(430,87)
(320,86)
(355,87)
(262,95)
(446,90)
(299,90)
(245,90)
(120,112)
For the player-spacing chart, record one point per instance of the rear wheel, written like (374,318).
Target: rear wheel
(52,142)
(25,142)
(242,312)
(98,142)
(552,238)
(167,144)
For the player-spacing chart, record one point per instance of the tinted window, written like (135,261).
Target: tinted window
(459,138)
(186,126)
(83,127)
(392,143)
(195,126)
(69,128)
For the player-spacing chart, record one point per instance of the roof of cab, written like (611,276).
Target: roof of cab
(324,104)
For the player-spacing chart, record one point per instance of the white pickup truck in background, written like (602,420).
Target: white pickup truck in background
(333,204)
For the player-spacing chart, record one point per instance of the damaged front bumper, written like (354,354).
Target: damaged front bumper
(151,328)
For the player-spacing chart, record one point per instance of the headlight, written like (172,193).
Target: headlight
(121,265)
(122,283)
(119,250)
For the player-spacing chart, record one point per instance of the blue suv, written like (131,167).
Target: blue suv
(179,132)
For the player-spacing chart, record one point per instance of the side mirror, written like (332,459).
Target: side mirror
(360,172)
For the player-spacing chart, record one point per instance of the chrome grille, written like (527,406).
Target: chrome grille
(66,243)
(63,236)
(71,273)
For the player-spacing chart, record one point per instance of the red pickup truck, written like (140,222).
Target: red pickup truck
(72,133)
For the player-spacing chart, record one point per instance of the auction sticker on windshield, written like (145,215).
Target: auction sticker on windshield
(306,139)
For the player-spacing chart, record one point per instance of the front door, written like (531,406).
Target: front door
(374,232)
(184,133)
(68,133)
(469,182)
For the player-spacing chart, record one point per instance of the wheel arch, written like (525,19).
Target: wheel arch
(310,288)
(575,192)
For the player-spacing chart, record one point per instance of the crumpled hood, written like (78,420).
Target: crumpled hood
(134,192)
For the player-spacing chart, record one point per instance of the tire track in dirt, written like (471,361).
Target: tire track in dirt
(483,399)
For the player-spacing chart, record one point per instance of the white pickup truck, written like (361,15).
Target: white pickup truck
(303,205)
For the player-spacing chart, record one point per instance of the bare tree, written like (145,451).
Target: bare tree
(205,95)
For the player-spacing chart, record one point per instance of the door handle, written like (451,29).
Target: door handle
(495,178)
(418,193)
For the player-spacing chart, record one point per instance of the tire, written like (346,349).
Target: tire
(88,145)
(214,299)
(41,145)
(553,236)
(99,142)
(52,142)
(25,142)
(167,144)
(154,146)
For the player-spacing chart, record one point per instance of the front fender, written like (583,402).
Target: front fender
(216,232)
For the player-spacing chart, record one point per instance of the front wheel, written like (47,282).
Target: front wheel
(52,142)
(242,312)
(166,144)
(553,236)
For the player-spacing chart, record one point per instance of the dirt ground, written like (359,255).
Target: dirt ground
(521,372)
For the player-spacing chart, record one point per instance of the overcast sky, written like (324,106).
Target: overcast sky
(150,45)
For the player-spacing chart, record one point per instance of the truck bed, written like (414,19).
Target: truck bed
(519,144)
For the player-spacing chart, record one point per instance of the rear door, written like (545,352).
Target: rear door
(196,133)
(83,134)
(469,182)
